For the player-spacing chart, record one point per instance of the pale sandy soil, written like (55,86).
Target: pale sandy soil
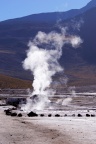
(47,130)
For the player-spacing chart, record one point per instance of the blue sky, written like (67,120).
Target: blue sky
(18,8)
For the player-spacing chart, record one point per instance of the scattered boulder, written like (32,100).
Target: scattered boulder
(49,115)
(15,101)
(57,115)
(65,115)
(14,114)
(32,114)
(42,115)
(7,112)
(19,115)
(79,115)
(23,122)
(73,115)
(92,115)
(87,115)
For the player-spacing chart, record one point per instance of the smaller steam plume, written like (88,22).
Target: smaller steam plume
(64,102)
(42,60)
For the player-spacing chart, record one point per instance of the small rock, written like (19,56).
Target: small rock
(49,115)
(57,115)
(32,114)
(65,115)
(14,114)
(42,115)
(73,115)
(92,115)
(7,112)
(79,115)
(87,115)
(19,115)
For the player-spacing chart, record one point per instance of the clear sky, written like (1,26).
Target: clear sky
(18,8)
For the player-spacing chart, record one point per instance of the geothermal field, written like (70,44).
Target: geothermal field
(70,118)
(48,72)
(52,112)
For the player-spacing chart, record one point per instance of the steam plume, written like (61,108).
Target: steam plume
(42,59)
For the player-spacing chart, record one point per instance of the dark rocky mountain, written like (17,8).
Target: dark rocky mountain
(15,34)
(87,33)
(90,5)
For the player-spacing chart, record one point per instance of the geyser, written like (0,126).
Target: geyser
(42,60)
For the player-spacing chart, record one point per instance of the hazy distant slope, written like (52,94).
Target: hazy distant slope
(9,82)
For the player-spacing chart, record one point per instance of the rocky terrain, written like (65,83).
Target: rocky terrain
(47,130)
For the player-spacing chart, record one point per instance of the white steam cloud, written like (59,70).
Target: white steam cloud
(64,102)
(42,59)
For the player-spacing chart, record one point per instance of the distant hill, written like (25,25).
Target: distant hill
(14,83)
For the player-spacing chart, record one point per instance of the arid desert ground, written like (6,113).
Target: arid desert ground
(69,128)
(61,130)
